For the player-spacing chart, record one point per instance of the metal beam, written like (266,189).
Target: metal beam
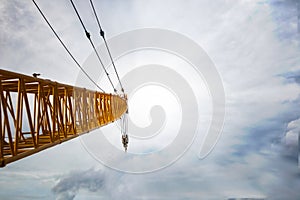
(36,114)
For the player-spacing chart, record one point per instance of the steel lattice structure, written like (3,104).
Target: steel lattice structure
(36,114)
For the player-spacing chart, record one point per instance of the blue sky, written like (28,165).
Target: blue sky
(255,48)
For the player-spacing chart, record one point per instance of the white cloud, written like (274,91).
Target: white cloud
(292,134)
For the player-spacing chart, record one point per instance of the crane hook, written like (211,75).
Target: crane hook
(125,142)
(124,127)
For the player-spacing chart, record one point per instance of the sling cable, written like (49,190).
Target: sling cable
(37,113)
(123,119)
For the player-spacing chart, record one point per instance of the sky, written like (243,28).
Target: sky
(253,44)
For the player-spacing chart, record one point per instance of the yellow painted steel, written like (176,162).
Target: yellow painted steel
(36,114)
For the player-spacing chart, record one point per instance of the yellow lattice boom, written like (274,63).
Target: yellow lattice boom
(36,114)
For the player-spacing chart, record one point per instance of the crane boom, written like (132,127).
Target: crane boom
(36,114)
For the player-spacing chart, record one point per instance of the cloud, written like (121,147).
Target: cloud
(286,15)
(292,77)
(106,184)
(291,140)
(68,186)
(28,45)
